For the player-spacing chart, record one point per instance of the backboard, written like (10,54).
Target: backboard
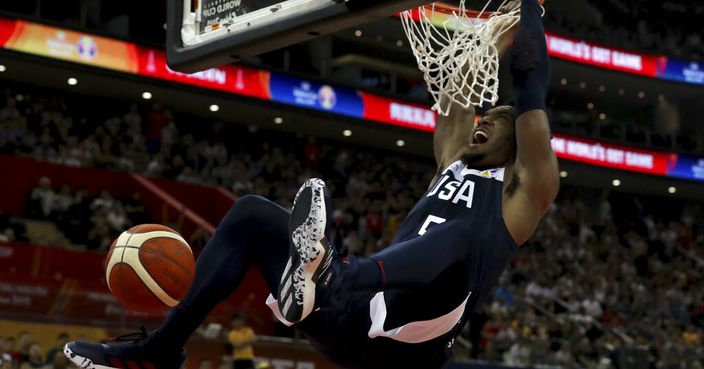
(205,33)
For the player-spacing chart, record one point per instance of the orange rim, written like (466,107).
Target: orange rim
(448,9)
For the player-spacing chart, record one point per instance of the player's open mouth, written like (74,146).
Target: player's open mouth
(479,138)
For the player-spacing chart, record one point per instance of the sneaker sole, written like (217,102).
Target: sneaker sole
(309,252)
(83,362)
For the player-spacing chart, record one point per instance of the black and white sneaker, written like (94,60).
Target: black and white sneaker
(125,352)
(310,251)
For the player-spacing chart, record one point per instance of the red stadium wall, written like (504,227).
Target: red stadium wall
(69,286)
(209,202)
(49,284)
(21,175)
(159,204)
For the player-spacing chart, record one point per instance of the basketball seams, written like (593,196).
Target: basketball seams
(122,260)
(182,242)
(131,306)
(149,281)
(144,237)
(172,261)
(132,243)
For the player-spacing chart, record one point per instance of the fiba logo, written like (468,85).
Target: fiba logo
(87,47)
(327,97)
(698,169)
(693,73)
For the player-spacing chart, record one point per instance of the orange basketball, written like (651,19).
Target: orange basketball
(149,268)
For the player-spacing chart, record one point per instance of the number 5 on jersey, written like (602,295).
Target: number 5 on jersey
(431,219)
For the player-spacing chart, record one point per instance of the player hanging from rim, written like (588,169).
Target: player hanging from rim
(403,307)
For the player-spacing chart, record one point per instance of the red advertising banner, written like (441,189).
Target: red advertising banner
(68,45)
(612,156)
(26,296)
(229,78)
(395,112)
(604,57)
(16,259)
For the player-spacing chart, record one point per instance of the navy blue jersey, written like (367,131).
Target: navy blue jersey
(473,199)
(458,224)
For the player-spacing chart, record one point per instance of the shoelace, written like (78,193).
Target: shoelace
(131,337)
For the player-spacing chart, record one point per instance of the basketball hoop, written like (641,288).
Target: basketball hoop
(456,50)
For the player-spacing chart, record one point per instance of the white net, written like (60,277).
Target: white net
(457,51)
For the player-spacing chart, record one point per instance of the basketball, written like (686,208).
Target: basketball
(149,268)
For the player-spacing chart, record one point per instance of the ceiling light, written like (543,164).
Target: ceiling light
(146,95)
(72,81)
(2,68)
(358,33)
(616,182)
(590,106)
(347,133)
(563,81)
(602,88)
(621,91)
(399,43)
(214,107)
(400,143)
(602,116)
(582,84)
(672,189)
(641,94)
(563,174)
(278,120)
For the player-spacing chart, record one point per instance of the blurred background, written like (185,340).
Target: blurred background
(97,134)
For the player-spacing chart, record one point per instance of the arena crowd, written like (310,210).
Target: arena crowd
(607,274)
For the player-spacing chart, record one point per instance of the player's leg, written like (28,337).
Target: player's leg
(253,231)
(413,263)
(407,265)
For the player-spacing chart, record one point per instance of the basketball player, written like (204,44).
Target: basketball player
(403,307)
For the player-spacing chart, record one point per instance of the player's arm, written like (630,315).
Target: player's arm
(536,165)
(452,132)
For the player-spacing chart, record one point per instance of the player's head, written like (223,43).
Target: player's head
(492,142)
(237,321)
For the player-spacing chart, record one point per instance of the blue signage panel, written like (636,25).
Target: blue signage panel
(688,167)
(314,95)
(683,71)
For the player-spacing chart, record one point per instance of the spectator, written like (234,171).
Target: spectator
(60,362)
(156,120)
(9,349)
(133,120)
(34,359)
(8,235)
(117,218)
(62,202)
(24,344)
(592,307)
(57,350)
(105,201)
(42,199)
(6,361)
(241,337)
